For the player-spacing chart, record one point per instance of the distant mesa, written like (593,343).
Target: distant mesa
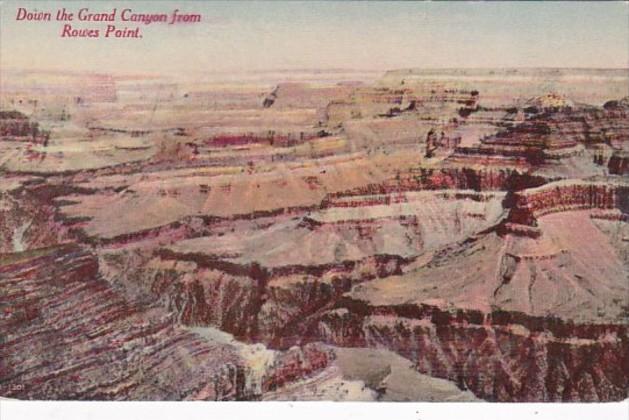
(548,102)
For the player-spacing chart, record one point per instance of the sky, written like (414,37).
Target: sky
(236,36)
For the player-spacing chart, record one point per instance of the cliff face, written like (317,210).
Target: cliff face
(245,301)
(28,221)
(454,177)
(499,357)
(69,335)
(296,364)
(432,101)
(619,163)
(197,295)
(250,284)
(510,316)
(548,135)
(568,195)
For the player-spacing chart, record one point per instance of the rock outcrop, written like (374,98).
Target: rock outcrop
(494,356)
(568,195)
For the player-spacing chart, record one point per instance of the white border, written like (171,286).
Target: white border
(97,410)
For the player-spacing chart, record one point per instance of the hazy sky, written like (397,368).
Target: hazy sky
(352,35)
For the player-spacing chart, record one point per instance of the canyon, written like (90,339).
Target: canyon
(418,235)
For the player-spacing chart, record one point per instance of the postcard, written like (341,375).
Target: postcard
(314,201)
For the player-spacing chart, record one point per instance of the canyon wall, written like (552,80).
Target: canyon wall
(568,195)
(499,356)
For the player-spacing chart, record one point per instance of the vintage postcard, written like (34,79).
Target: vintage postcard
(314,201)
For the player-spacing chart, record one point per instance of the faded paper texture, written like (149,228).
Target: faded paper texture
(338,201)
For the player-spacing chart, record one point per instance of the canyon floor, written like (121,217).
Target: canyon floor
(418,235)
